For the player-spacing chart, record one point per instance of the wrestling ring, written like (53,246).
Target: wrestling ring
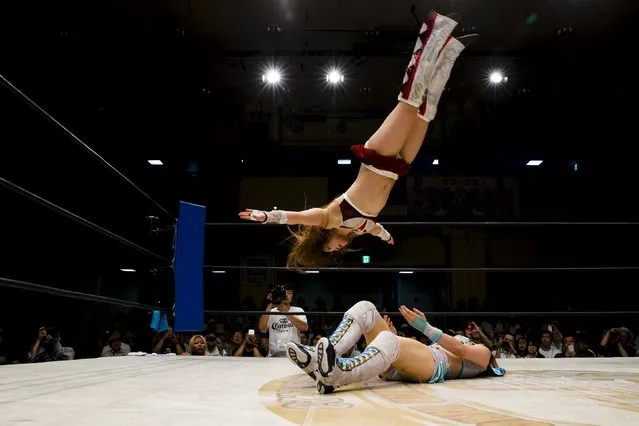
(174,390)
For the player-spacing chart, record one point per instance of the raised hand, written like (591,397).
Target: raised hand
(253,215)
(412,316)
(389,324)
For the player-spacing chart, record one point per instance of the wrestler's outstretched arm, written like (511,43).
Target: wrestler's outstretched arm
(310,217)
(478,354)
(381,232)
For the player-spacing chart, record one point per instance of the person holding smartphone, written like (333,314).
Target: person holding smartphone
(249,346)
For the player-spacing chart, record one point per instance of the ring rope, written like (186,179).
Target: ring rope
(442,314)
(422,269)
(24,285)
(79,142)
(489,224)
(78,219)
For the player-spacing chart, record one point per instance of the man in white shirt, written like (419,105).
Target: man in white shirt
(546,348)
(282,328)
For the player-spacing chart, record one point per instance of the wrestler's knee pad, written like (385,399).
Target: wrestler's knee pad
(388,345)
(305,357)
(359,319)
(364,313)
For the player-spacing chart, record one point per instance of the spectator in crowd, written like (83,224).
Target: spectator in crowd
(615,343)
(522,348)
(264,345)
(167,343)
(506,348)
(557,336)
(476,335)
(533,350)
(236,341)
(249,346)
(214,344)
(197,346)
(546,348)
(285,328)
(115,346)
(316,338)
(47,347)
(304,337)
(583,346)
(569,349)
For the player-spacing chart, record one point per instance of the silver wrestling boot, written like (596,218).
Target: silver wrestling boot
(359,319)
(335,371)
(432,37)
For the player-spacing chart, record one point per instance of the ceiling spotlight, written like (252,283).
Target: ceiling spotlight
(496,78)
(127,270)
(335,77)
(272,77)
(534,162)
(436,162)
(155,162)
(344,162)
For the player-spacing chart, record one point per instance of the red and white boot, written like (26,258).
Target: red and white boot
(443,67)
(432,37)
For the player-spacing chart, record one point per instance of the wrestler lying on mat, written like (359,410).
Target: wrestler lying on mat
(387,155)
(389,356)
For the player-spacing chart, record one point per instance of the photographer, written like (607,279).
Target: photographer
(249,346)
(615,343)
(282,328)
(47,347)
(506,347)
(168,343)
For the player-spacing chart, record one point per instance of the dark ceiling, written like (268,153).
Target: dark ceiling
(180,80)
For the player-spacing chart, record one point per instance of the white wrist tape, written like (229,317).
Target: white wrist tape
(384,235)
(274,216)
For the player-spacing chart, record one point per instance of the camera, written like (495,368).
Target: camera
(278,294)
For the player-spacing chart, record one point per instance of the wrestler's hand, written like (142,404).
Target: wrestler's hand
(389,324)
(391,241)
(411,316)
(253,215)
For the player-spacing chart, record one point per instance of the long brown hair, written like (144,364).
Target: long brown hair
(307,248)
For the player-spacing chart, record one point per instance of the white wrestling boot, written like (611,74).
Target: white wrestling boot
(432,37)
(375,360)
(359,319)
(305,357)
(443,67)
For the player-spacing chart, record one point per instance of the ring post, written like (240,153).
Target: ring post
(189,272)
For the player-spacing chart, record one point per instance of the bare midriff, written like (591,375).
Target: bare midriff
(370,191)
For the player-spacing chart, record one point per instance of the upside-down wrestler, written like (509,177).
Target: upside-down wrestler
(388,356)
(386,156)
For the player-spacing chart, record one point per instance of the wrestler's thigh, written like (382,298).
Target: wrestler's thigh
(415,360)
(380,325)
